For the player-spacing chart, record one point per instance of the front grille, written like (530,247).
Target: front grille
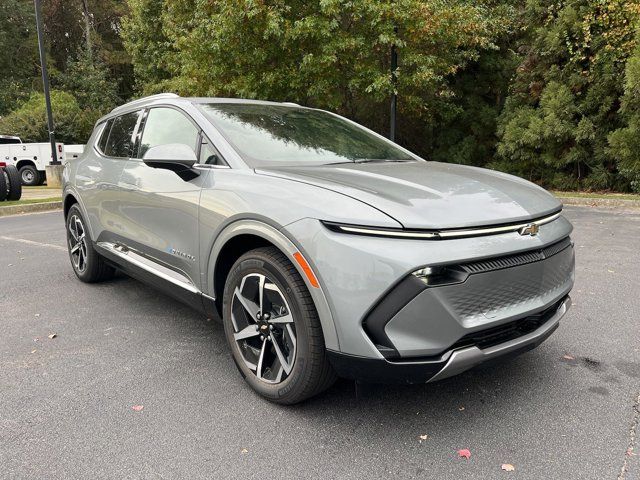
(516,260)
(497,293)
(509,331)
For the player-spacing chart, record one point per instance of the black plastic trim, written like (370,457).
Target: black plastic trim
(378,370)
(387,308)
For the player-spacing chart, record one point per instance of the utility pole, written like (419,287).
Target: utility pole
(394,84)
(45,83)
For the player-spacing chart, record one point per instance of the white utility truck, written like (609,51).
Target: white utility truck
(29,158)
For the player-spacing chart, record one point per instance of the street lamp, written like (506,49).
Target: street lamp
(394,84)
(45,83)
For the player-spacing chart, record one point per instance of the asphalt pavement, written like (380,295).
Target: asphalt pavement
(567,410)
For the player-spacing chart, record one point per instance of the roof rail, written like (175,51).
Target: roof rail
(133,103)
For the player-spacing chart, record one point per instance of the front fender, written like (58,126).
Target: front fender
(287,246)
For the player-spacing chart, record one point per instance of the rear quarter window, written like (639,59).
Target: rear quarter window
(104,136)
(120,141)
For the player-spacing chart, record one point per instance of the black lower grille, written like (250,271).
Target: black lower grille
(509,331)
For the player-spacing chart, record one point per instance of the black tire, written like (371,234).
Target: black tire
(3,185)
(42,177)
(30,176)
(15,183)
(310,372)
(93,267)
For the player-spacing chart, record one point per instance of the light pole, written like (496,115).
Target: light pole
(45,83)
(394,84)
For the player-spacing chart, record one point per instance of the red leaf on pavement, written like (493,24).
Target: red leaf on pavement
(137,408)
(464,453)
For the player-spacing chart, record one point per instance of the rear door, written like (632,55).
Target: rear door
(159,209)
(99,171)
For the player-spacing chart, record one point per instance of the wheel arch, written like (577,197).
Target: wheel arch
(68,202)
(245,235)
(70,198)
(23,162)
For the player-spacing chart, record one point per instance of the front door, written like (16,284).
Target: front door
(159,208)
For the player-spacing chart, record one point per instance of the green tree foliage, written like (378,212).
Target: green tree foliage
(565,98)
(332,54)
(625,142)
(18,52)
(87,79)
(29,121)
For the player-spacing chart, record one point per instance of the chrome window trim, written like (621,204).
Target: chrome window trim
(439,234)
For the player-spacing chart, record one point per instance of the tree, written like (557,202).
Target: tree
(625,141)
(19,65)
(87,79)
(29,121)
(564,100)
(332,54)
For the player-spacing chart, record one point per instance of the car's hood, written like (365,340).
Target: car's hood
(430,194)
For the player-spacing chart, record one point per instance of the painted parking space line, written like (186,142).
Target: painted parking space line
(31,242)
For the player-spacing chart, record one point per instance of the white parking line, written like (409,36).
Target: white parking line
(31,242)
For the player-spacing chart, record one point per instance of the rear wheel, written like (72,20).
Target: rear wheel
(273,328)
(30,176)
(15,184)
(87,264)
(3,185)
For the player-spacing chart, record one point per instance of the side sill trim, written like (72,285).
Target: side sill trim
(145,264)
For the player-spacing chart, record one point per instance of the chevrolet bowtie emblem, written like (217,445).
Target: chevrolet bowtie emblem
(530,229)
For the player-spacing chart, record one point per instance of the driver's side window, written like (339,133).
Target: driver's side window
(167,125)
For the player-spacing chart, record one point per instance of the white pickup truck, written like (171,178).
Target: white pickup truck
(29,158)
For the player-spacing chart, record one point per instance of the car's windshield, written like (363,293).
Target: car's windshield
(270,135)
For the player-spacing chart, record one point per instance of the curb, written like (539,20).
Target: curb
(600,202)
(30,208)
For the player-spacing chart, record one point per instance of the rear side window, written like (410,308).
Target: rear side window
(167,125)
(120,142)
(102,143)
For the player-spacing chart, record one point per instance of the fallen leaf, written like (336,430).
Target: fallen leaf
(464,453)
(507,467)
(52,335)
(137,408)
(423,437)
(244,450)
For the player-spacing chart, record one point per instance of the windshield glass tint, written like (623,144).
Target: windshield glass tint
(267,135)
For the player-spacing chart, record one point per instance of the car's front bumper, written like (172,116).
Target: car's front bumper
(450,363)
(381,311)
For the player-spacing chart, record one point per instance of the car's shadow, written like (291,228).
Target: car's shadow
(492,388)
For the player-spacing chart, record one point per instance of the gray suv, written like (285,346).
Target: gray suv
(326,249)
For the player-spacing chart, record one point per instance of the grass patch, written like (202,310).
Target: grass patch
(598,195)
(31,200)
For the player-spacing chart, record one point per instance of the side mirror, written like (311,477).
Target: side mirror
(177,157)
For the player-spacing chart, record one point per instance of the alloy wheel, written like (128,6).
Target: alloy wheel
(77,243)
(264,328)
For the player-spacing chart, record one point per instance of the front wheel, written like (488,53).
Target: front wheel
(273,328)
